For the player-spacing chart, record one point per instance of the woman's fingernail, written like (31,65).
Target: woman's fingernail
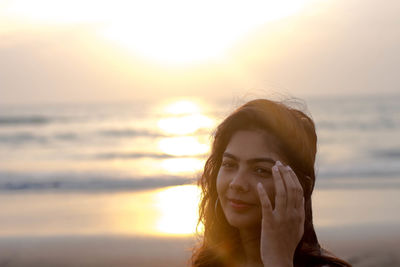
(259,185)
(275,168)
(278,163)
(288,168)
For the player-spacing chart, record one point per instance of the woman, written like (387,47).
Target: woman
(256,191)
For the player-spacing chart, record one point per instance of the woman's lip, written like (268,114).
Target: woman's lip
(236,203)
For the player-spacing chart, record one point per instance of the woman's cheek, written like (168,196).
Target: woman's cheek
(222,183)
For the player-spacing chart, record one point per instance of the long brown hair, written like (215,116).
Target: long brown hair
(297,139)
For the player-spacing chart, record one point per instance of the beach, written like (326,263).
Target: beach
(112,113)
(97,232)
(114,185)
(360,248)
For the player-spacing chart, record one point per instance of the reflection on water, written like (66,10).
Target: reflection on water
(182,146)
(178,207)
(83,175)
(167,211)
(182,165)
(184,119)
(184,124)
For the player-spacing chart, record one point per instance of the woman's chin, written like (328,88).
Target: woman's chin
(243,222)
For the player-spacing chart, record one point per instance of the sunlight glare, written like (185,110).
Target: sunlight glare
(182,165)
(178,207)
(167,32)
(185,125)
(182,146)
(182,31)
(187,118)
(182,107)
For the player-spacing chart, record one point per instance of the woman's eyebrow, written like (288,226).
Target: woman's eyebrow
(228,155)
(254,160)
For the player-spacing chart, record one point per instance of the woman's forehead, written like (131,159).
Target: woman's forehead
(253,144)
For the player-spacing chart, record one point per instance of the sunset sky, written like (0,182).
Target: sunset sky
(97,51)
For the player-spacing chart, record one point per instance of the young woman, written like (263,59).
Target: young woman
(256,191)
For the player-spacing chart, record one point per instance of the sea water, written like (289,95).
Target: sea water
(123,147)
(90,168)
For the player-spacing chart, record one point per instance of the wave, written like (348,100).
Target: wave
(388,124)
(92,183)
(24,120)
(366,172)
(84,182)
(135,155)
(388,154)
(128,133)
(17,138)
(354,183)
(22,137)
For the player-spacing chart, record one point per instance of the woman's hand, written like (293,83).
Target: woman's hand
(282,227)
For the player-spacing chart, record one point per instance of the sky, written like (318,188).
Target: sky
(110,51)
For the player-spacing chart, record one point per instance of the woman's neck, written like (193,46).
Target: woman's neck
(251,246)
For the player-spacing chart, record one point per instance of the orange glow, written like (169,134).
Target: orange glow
(184,125)
(182,31)
(168,32)
(182,165)
(179,210)
(186,119)
(182,146)
(182,107)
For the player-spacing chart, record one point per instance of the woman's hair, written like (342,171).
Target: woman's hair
(295,135)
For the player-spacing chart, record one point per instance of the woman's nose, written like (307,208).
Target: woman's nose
(239,182)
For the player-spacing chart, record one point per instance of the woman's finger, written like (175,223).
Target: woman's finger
(266,207)
(298,191)
(280,192)
(291,188)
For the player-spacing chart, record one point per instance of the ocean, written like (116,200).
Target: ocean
(144,145)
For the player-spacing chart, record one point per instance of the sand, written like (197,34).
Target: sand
(68,230)
(94,251)
(363,247)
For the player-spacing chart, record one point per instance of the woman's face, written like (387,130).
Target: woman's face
(247,160)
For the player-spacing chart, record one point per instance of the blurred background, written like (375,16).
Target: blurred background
(107,110)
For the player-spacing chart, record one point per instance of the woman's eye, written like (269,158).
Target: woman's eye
(262,171)
(228,164)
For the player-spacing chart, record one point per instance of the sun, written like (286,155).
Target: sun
(163,31)
(185,31)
